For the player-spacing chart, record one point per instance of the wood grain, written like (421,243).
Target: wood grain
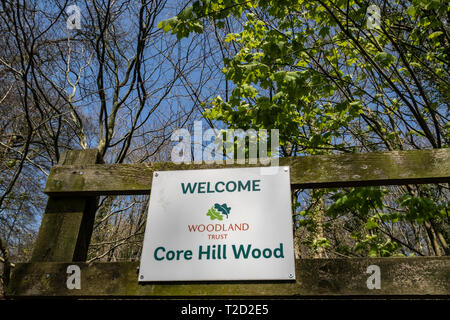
(67,223)
(415,277)
(378,168)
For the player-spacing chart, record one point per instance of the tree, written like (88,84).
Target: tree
(329,83)
(117,84)
(30,125)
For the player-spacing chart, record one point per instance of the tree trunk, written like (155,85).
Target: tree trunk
(318,217)
(433,239)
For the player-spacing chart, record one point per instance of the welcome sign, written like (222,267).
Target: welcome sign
(219,224)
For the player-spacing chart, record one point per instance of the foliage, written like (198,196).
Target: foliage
(214,214)
(316,66)
(222,208)
(329,83)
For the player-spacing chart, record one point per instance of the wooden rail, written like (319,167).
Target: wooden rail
(381,168)
(80,177)
(414,277)
(347,170)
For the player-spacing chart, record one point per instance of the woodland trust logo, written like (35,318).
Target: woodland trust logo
(218,211)
(218,231)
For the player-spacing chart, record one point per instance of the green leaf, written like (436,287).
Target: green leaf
(222,208)
(186,13)
(384,59)
(435,35)
(411,11)
(167,24)
(371,224)
(214,214)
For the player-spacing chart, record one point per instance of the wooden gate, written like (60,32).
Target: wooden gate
(58,265)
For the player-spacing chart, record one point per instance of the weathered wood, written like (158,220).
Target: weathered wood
(88,156)
(67,223)
(421,276)
(67,226)
(379,168)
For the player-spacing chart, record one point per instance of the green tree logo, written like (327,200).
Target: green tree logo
(218,211)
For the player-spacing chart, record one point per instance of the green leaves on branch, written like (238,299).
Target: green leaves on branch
(363,201)
(368,206)
(313,70)
(375,246)
(190,19)
(420,209)
(301,61)
(384,59)
(181,27)
(368,203)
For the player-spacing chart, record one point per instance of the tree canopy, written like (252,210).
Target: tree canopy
(330,82)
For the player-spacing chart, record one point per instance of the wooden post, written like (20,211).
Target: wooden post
(67,223)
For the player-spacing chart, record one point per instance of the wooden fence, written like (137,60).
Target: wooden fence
(58,265)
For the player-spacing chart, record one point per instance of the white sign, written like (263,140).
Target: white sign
(219,224)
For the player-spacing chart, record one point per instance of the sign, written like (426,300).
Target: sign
(219,224)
